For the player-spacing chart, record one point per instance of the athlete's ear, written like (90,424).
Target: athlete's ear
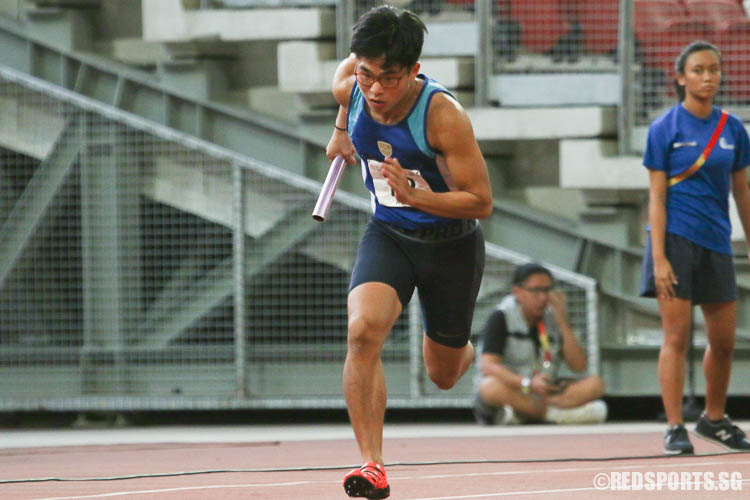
(415,70)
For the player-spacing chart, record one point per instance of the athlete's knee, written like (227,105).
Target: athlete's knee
(722,348)
(365,333)
(442,378)
(675,342)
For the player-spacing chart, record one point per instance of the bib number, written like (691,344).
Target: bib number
(383,191)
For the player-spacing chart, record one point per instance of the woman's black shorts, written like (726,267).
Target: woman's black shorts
(703,276)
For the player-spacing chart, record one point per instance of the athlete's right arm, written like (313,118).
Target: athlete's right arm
(340,143)
(664,278)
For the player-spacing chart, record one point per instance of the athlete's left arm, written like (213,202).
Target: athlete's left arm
(450,132)
(741,194)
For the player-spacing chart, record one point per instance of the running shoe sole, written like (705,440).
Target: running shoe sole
(687,451)
(359,487)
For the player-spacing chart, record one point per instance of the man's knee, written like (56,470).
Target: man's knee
(597,386)
(493,391)
(442,378)
(592,386)
(366,333)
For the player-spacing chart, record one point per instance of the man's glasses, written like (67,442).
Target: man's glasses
(539,289)
(386,81)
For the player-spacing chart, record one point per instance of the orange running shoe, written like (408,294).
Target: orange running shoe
(369,481)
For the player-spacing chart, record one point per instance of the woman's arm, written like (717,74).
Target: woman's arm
(741,194)
(664,278)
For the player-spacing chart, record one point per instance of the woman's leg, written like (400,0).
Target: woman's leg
(721,322)
(675,320)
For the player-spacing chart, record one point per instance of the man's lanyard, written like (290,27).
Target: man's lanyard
(544,342)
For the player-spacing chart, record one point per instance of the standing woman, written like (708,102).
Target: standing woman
(695,154)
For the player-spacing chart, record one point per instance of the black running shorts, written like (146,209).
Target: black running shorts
(703,276)
(445,266)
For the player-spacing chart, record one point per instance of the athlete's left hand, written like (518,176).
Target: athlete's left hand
(399,182)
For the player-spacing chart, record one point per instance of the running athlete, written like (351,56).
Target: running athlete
(429,185)
(696,154)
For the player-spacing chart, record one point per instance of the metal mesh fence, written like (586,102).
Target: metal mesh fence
(662,28)
(555,35)
(582,37)
(577,43)
(143,269)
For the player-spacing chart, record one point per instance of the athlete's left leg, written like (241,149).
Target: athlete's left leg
(445,365)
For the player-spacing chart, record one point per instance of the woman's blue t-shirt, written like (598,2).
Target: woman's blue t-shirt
(698,207)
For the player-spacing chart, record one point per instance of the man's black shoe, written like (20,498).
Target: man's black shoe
(722,432)
(676,441)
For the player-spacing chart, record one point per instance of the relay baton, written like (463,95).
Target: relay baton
(329,189)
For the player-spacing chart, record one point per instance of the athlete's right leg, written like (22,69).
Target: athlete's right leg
(675,320)
(373,309)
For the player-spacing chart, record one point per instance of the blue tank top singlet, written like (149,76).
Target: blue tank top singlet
(407,142)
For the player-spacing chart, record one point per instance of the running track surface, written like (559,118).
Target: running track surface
(232,462)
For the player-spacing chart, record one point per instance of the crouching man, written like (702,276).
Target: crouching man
(526,339)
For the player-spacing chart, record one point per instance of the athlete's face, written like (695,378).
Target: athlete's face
(533,296)
(702,75)
(384,88)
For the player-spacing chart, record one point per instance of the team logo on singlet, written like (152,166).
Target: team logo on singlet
(385,148)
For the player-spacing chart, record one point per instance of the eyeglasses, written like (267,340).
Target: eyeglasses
(386,81)
(539,289)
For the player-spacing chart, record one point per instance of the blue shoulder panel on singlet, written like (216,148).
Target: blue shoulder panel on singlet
(418,119)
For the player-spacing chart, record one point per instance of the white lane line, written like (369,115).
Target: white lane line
(425,477)
(185,488)
(507,494)
(541,492)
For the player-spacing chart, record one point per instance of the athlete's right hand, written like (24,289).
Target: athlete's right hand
(664,278)
(341,144)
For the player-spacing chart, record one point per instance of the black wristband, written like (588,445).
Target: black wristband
(339,128)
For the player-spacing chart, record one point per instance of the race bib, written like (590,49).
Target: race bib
(383,191)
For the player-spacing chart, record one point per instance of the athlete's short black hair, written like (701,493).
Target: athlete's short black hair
(525,271)
(389,31)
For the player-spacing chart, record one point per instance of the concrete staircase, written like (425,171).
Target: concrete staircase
(247,81)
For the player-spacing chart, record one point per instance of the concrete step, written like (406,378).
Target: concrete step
(133,51)
(543,122)
(71,29)
(202,78)
(271,101)
(307,68)
(169,21)
(594,167)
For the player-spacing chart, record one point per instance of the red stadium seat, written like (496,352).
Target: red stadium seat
(663,28)
(735,66)
(543,23)
(599,21)
(722,15)
(729,29)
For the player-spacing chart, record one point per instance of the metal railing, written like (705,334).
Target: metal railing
(143,268)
